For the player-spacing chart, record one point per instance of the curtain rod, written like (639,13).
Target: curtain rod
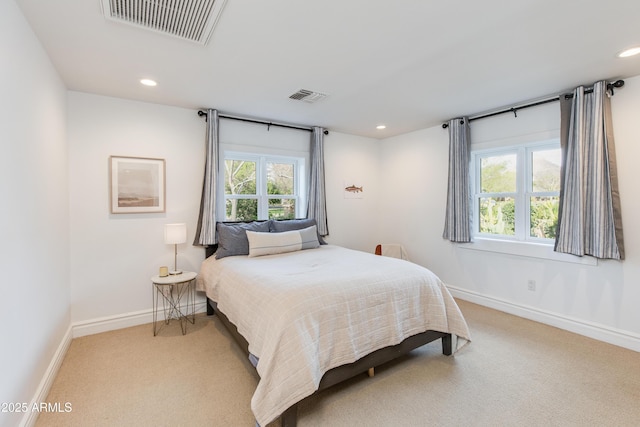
(262,122)
(514,110)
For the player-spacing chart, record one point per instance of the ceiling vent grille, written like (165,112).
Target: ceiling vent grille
(191,20)
(307,96)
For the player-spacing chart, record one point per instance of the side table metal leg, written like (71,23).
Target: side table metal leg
(192,297)
(180,293)
(155,309)
(172,306)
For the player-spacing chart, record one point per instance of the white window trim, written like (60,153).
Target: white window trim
(261,158)
(521,244)
(525,249)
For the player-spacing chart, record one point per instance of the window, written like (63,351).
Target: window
(516,192)
(262,187)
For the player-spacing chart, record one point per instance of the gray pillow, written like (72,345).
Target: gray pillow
(278,226)
(232,237)
(280,243)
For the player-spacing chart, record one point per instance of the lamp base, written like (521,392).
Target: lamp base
(174,272)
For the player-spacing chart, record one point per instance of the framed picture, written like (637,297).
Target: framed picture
(137,185)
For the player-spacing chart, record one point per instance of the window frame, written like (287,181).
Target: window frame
(524,189)
(514,248)
(261,159)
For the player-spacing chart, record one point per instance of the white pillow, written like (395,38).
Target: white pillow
(278,243)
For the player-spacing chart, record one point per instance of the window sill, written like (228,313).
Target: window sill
(525,249)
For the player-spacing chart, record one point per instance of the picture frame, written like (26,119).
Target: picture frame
(137,185)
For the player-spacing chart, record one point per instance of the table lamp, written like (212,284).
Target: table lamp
(174,234)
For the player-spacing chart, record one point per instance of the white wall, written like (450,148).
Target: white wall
(113,256)
(34,213)
(353,223)
(600,301)
(413,193)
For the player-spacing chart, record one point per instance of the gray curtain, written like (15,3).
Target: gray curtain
(589,219)
(457,226)
(206,230)
(317,206)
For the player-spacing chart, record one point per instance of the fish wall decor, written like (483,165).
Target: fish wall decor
(353,189)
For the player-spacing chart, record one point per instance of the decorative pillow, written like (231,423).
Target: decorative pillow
(278,226)
(232,237)
(278,243)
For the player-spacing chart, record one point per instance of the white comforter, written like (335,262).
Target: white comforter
(304,313)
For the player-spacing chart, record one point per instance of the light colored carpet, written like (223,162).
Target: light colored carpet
(514,373)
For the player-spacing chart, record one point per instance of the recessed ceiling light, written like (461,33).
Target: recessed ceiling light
(629,52)
(380,127)
(148,82)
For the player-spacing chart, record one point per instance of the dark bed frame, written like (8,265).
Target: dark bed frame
(342,373)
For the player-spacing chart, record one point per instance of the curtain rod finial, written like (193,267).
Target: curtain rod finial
(616,84)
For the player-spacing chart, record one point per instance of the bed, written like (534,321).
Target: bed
(310,315)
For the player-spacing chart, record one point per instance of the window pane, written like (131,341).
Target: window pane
(546,170)
(239,177)
(544,217)
(497,215)
(498,174)
(282,208)
(241,209)
(280,178)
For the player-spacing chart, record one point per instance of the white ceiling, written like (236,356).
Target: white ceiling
(409,64)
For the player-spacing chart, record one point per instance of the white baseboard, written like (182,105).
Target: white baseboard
(42,391)
(121,321)
(596,331)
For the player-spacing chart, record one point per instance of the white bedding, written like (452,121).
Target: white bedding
(304,313)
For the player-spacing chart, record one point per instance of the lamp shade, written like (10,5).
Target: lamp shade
(175,234)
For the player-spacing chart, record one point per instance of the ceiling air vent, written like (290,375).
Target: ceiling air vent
(191,20)
(307,96)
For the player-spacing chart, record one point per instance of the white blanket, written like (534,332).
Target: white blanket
(304,313)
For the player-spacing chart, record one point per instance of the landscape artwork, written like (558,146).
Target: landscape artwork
(137,185)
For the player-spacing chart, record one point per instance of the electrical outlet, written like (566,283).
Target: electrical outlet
(531,285)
